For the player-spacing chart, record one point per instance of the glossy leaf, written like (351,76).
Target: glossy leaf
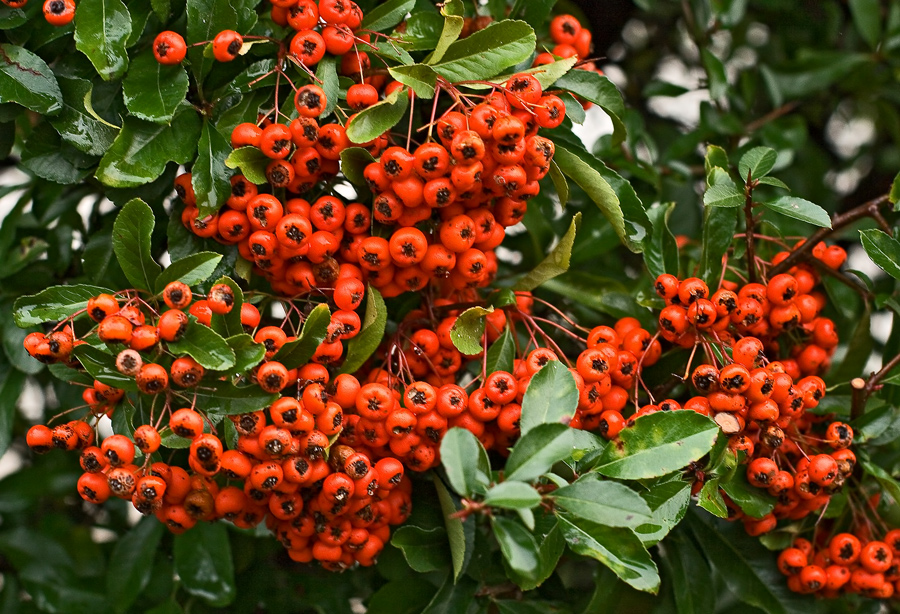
(75,124)
(468,329)
(387,15)
(883,249)
(205,19)
(129,572)
(54,303)
(372,122)
(142,149)
(224,399)
(327,74)
(501,353)
(800,209)
(603,502)
(719,224)
(453,12)
(519,549)
(754,502)
(465,462)
(205,346)
(690,574)
(102,28)
(209,176)
(298,352)
(536,452)
(599,90)
(660,248)
(247,353)
(12,382)
(420,78)
(485,53)
(203,562)
(617,548)
(711,499)
(512,495)
(191,270)
(461,542)
(369,338)
(353,163)
(251,161)
(559,183)
(658,444)
(424,549)
(556,263)
(131,242)
(757,163)
(668,502)
(26,79)
(154,91)
(101,366)
(551,397)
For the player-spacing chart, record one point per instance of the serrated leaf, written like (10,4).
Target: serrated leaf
(298,352)
(468,329)
(883,250)
(102,28)
(485,53)
(54,303)
(210,180)
(757,163)
(131,242)
(372,122)
(556,263)
(247,353)
(668,503)
(154,91)
(800,209)
(465,462)
(775,182)
(387,15)
(191,270)
(723,195)
(603,502)
(26,79)
(502,353)
(551,397)
(369,338)
(754,502)
(205,346)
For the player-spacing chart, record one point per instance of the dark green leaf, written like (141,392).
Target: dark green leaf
(867,19)
(11,383)
(326,73)
(717,81)
(205,19)
(353,163)
(883,249)
(537,450)
(387,15)
(574,110)
(887,482)
(423,29)
(465,461)
(229,324)
(690,575)
(49,158)
(131,242)
(556,263)
(209,176)
(27,80)
(520,551)
(203,562)
(800,209)
(658,444)
(617,548)
(102,28)
(298,352)
(757,163)
(461,542)
(223,399)
(603,502)
(502,353)
(374,121)
(894,195)
(755,502)
(719,224)
(141,151)
(102,366)
(247,353)
(487,52)
(153,91)
(424,549)
(534,12)
(252,162)
(668,503)
(78,127)
(711,499)
(551,397)
(468,329)
(512,495)
(191,270)
(369,338)
(660,248)
(599,90)
(420,78)
(453,597)
(205,346)
(54,303)
(128,572)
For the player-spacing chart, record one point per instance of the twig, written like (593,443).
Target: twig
(863,389)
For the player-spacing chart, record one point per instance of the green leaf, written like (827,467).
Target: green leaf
(883,250)
(512,495)
(453,12)
(617,548)
(128,572)
(191,270)
(717,80)
(209,178)
(205,19)
(546,74)
(372,122)
(420,78)
(668,503)
(502,353)
(49,158)
(154,91)
(599,90)
(102,28)
(205,346)
(884,479)
(485,53)
(326,73)
(658,444)
(298,352)
(229,324)
(660,248)
(102,367)
(12,381)
(723,195)
(534,12)
(75,124)
(27,80)
(353,163)
(423,29)
(559,183)
(745,565)
(774,181)
(247,353)
(719,224)
(460,546)
(538,450)
(894,195)
(453,597)
(203,562)
(54,303)
(131,242)
(387,15)
(519,549)
(715,157)
(252,162)
(424,549)
(369,338)
(224,399)
(757,163)
(867,20)
(556,263)
(800,209)
(603,502)
(468,329)
(690,575)
(465,461)
(754,502)
(610,192)
(141,151)
(551,397)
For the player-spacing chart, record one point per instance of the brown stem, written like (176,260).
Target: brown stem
(863,389)
(770,116)
(867,209)
(748,216)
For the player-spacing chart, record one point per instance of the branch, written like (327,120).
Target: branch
(863,389)
(748,215)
